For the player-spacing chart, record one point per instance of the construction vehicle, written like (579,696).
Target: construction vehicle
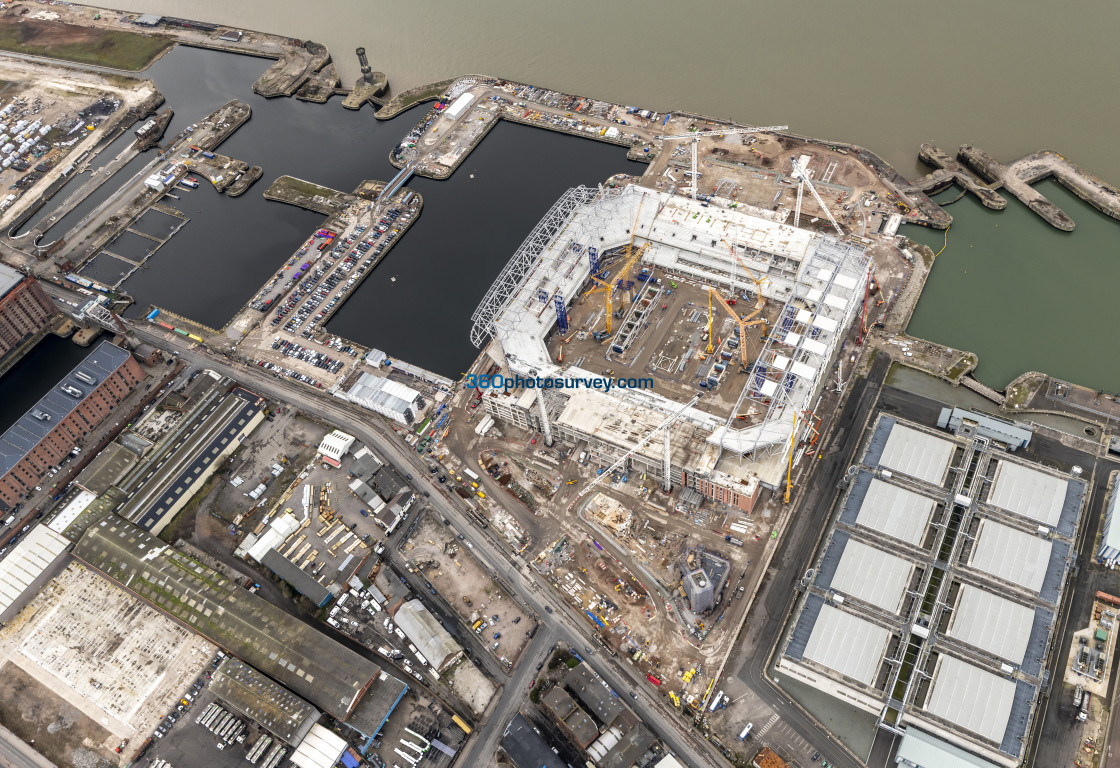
(695,137)
(744,322)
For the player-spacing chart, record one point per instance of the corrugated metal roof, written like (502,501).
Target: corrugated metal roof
(425,631)
(872,575)
(1011,554)
(917,454)
(1028,492)
(9,279)
(22,437)
(320,749)
(974,699)
(921,750)
(27,562)
(847,644)
(992,623)
(895,512)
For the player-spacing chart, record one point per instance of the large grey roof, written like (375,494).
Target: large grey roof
(925,751)
(872,575)
(280,711)
(600,700)
(895,512)
(1028,492)
(9,279)
(972,698)
(992,623)
(22,437)
(1010,554)
(424,629)
(847,644)
(525,746)
(297,656)
(300,579)
(917,454)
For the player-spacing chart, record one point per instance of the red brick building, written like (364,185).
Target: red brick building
(62,419)
(25,308)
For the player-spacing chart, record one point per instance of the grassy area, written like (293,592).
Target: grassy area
(85,45)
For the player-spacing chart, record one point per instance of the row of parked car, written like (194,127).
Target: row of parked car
(300,352)
(280,371)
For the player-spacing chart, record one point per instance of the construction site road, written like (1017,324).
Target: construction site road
(532,590)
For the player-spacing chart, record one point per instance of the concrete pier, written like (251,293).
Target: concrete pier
(1046,163)
(989,168)
(950,170)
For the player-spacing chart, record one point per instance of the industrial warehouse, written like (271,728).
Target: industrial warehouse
(933,599)
(731,434)
(345,685)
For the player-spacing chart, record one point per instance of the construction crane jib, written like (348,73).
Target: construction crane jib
(803,177)
(694,139)
(641,444)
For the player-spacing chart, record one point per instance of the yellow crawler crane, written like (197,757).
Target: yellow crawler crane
(744,322)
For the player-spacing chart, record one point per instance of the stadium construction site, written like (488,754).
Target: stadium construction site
(738,317)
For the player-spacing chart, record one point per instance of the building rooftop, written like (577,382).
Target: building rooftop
(1029,493)
(301,580)
(334,447)
(600,700)
(917,454)
(375,392)
(278,710)
(9,279)
(107,469)
(525,746)
(1012,555)
(896,512)
(27,562)
(579,723)
(59,403)
(974,699)
(921,749)
(852,646)
(297,656)
(321,749)
(891,575)
(425,631)
(992,623)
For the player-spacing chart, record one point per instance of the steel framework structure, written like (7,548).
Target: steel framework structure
(530,255)
(794,359)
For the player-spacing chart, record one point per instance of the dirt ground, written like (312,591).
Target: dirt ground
(58,730)
(459,578)
(472,687)
(43,37)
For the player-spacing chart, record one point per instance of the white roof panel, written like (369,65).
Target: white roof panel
(992,623)
(825,323)
(974,699)
(27,562)
(872,575)
(922,456)
(321,748)
(1011,554)
(768,388)
(807,372)
(1028,492)
(836,302)
(810,345)
(845,643)
(781,362)
(895,512)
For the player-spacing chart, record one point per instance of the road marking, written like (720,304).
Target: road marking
(769,723)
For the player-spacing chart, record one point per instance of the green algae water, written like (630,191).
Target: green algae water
(1023,295)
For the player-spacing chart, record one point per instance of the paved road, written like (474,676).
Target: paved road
(14,753)
(529,586)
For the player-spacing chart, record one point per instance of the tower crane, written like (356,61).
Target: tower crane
(694,139)
(664,426)
(629,258)
(804,178)
(760,301)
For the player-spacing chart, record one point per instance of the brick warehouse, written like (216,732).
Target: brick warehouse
(25,308)
(63,417)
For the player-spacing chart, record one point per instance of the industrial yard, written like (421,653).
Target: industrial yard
(437,552)
(118,665)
